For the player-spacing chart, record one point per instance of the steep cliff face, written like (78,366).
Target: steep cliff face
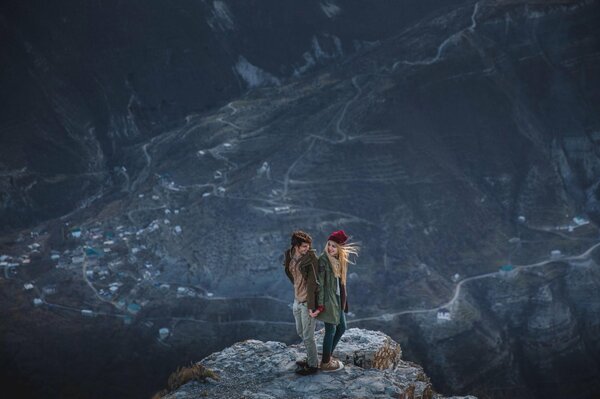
(528,325)
(256,369)
(83,81)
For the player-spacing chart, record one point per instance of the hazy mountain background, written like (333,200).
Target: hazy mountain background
(458,142)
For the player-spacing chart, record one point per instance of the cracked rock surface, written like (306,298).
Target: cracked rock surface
(265,370)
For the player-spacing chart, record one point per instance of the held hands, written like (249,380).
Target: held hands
(314,314)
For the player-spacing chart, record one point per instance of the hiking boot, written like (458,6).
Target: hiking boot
(308,370)
(333,365)
(302,363)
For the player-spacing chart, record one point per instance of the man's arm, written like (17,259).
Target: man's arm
(321,295)
(285,266)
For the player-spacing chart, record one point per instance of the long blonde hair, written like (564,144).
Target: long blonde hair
(344,252)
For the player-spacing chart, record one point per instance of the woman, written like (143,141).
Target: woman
(332,300)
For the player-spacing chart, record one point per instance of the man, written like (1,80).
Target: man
(300,265)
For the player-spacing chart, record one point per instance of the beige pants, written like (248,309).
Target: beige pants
(305,327)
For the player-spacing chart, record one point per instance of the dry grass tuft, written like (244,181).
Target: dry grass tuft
(183,375)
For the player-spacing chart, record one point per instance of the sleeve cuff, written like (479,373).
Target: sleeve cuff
(321,308)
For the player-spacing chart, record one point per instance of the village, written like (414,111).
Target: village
(116,264)
(112,259)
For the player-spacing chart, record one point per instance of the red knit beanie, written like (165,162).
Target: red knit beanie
(338,236)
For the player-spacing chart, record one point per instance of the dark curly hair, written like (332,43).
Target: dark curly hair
(299,237)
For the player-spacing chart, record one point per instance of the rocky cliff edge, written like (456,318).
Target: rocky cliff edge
(254,369)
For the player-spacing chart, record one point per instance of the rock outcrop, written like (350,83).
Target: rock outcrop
(265,370)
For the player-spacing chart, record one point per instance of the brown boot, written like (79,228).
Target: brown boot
(332,365)
(308,371)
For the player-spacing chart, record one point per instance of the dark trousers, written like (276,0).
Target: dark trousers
(333,333)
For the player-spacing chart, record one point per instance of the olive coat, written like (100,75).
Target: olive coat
(327,297)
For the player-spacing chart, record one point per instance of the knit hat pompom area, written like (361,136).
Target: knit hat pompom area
(339,237)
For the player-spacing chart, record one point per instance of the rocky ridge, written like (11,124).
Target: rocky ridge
(265,370)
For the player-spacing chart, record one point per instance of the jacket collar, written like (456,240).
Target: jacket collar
(303,257)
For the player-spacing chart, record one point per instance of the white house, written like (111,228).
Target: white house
(579,221)
(282,209)
(163,333)
(77,259)
(443,314)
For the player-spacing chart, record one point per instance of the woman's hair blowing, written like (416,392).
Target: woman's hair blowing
(344,253)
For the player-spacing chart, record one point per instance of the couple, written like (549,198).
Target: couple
(319,293)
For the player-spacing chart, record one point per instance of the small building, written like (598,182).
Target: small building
(178,229)
(580,221)
(37,302)
(93,252)
(456,277)
(55,256)
(134,308)
(77,259)
(163,333)
(505,269)
(521,219)
(28,286)
(443,314)
(76,233)
(87,313)
(555,253)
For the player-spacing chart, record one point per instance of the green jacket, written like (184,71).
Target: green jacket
(308,267)
(327,297)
